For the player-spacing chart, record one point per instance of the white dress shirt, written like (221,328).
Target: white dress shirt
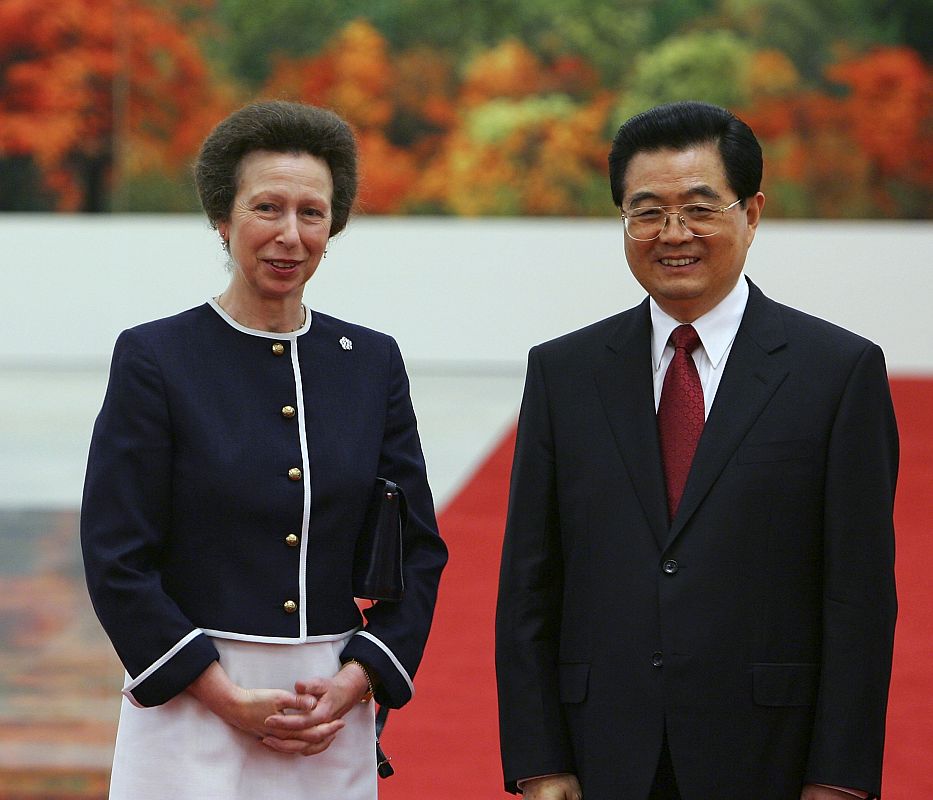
(716,328)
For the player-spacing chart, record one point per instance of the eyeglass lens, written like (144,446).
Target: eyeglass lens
(698,219)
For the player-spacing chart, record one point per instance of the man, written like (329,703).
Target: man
(697,591)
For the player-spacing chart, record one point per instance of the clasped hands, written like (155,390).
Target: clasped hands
(305,722)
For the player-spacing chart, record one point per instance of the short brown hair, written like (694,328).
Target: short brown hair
(279,127)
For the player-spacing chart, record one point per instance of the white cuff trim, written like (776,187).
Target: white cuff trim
(128,688)
(402,671)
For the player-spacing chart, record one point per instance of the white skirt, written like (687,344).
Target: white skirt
(182,751)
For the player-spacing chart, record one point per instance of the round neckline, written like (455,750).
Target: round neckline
(256,331)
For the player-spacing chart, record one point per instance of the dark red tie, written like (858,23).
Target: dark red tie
(680,414)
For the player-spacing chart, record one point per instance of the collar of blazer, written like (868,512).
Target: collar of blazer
(755,369)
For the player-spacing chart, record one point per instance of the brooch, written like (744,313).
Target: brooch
(345,343)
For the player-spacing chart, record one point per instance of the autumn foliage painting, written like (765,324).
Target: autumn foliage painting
(482,107)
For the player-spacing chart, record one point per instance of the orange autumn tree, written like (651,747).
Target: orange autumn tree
(812,166)
(889,113)
(508,70)
(866,153)
(513,135)
(354,75)
(529,139)
(87,87)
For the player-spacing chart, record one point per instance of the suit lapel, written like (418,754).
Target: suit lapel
(755,369)
(626,389)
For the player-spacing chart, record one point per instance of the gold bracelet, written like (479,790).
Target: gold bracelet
(369,681)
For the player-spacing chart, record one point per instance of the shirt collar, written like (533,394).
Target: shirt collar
(716,328)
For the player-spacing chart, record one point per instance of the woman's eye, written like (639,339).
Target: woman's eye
(265,207)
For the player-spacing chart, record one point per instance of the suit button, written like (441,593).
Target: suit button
(291,540)
(278,349)
(657,659)
(290,606)
(670,566)
(294,474)
(288,412)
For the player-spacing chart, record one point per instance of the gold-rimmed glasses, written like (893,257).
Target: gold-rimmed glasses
(698,219)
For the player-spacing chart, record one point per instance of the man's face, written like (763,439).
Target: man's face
(688,275)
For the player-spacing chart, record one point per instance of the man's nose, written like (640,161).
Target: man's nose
(675,228)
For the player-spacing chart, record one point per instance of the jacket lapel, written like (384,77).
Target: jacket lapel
(755,369)
(626,389)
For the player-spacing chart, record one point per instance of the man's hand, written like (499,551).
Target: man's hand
(552,787)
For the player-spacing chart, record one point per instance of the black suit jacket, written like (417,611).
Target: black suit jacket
(758,625)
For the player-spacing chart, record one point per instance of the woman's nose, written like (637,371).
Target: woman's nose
(288,230)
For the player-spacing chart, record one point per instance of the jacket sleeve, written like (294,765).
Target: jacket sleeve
(393,639)
(859,601)
(125,518)
(534,738)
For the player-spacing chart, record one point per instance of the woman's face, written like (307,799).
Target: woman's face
(279,223)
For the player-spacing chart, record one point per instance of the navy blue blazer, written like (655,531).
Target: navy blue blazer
(227,481)
(757,626)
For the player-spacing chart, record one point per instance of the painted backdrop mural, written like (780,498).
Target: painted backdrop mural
(473,108)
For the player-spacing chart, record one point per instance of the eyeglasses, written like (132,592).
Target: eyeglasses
(698,219)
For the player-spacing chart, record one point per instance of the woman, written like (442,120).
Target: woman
(229,473)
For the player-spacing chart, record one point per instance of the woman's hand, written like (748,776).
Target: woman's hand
(326,701)
(248,710)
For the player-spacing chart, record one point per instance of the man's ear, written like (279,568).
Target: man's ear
(753,208)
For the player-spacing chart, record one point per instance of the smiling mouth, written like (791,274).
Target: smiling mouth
(679,262)
(286,265)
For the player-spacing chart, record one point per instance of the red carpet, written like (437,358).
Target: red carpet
(445,743)
(908,757)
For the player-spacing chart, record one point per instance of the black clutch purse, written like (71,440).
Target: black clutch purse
(377,561)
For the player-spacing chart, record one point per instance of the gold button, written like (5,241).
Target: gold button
(278,349)
(290,606)
(288,412)
(291,540)
(294,474)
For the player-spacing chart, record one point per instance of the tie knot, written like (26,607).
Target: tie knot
(686,337)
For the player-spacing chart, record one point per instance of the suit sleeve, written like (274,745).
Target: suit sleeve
(859,600)
(393,639)
(125,518)
(533,733)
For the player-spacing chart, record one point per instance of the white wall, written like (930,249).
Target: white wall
(465,298)
(461,293)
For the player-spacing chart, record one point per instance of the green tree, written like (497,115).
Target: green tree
(257,32)
(696,66)
(608,32)
(609,35)
(811,33)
